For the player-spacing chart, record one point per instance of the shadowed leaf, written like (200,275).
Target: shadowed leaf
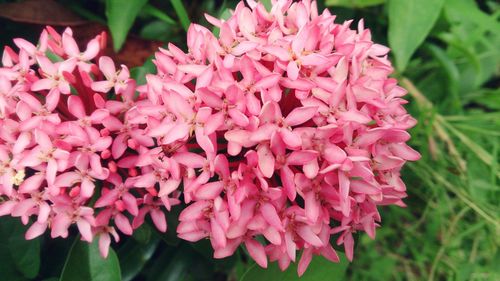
(84,263)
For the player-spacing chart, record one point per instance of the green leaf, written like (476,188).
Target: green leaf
(156,30)
(410,21)
(121,16)
(143,234)
(467,11)
(134,256)
(452,74)
(319,269)
(159,14)
(354,3)
(181,13)
(84,263)
(181,263)
(18,257)
(205,250)
(489,98)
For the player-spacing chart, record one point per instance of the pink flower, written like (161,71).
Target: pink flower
(105,239)
(152,207)
(45,152)
(114,79)
(83,176)
(33,114)
(32,49)
(77,109)
(71,48)
(55,75)
(67,215)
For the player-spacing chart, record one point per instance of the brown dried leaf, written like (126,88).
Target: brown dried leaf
(45,12)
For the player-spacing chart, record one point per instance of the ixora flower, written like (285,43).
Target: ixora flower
(280,134)
(285,132)
(68,143)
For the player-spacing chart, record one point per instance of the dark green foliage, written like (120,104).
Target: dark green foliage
(84,263)
(319,269)
(19,259)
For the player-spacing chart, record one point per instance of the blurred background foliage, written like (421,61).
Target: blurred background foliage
(446,54)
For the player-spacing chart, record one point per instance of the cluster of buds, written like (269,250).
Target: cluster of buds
(279,134)
(67,126)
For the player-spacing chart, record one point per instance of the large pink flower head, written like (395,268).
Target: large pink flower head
(283,131)
(279,134)
(70,139)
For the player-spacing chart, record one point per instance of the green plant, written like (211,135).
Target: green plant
(446,55)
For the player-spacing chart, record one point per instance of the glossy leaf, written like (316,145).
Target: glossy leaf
(84,263)
(134,255)
(18,257)
(57,250)
(180,263)
(143,234)
(319,269)
(121,16)
(410,21)
(205,250)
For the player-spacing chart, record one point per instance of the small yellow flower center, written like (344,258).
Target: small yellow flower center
(18,178)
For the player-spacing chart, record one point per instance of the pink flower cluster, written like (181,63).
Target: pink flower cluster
(287,130)
(66,143)
(279,134)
